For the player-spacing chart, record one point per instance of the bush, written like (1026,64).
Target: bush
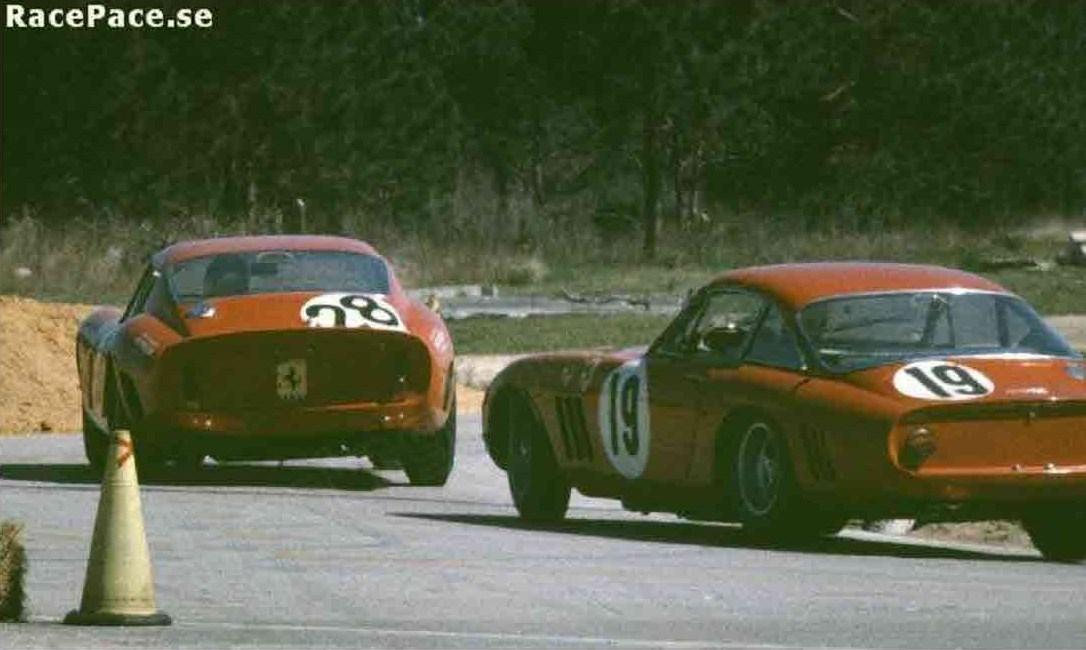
(12,572)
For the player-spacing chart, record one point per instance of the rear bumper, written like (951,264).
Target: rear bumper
(299,431)
(963,496)
(1023,485)
(414,415)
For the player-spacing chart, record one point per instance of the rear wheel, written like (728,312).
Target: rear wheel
(150,459)
(540,492)
(187,460)
(383,460)
(428,460)
(95,445)
(763,488)
(1058,533)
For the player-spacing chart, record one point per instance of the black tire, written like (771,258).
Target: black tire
(540,492)
(381,460)
(1058,533)
(187,460)
(150,459)
(763,490)
(428,460)
(95,445)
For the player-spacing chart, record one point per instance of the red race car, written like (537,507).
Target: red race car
(271,348)
(793,398)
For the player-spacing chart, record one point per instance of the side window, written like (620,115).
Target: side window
(725,325)
(139,298)
(673,340)
(774,344)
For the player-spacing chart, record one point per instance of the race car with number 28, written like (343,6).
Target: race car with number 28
(271,347)
(792,398)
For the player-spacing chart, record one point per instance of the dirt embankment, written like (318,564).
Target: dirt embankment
(39,389)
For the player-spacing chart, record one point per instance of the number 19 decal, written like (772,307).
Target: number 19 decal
(942,380)
(624,418)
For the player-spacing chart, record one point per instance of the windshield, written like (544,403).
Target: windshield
(275,271)
(854,332)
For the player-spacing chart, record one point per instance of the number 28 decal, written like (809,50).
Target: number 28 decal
(942,380)
(351,310)
(624,418)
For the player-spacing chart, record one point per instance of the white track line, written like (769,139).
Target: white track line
(497,636)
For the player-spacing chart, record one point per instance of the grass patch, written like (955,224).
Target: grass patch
(99,259)
(12,572)
(544,333)
(1061,290)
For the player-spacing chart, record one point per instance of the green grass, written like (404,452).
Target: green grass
(544,333)
(1061,290)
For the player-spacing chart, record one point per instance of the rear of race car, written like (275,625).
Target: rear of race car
(978,435)
(961,439)
(304,374)
(249,393)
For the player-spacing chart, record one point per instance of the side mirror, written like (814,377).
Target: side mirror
(725,338)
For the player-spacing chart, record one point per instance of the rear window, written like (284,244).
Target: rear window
(852,332)
(276,271)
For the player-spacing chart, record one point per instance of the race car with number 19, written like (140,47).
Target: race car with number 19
(793,398)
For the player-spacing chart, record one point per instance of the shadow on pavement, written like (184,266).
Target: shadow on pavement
(330,478)
(719,535)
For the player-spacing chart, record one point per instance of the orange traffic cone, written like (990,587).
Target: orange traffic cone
(119,588)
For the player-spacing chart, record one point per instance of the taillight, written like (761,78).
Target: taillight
(918,446)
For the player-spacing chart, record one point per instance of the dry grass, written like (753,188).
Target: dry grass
(12,572)
(98,259)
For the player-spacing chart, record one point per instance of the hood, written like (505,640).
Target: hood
(295,311)
(981,379)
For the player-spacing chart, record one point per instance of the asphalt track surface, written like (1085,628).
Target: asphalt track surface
(331,554)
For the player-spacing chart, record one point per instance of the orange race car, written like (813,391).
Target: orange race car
(271,348)
(792,398)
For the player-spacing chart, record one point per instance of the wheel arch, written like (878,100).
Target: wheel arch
(496,423)
(121,401)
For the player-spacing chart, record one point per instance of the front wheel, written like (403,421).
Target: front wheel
(429,460)
(540,492)
(1058,533)
(763,488)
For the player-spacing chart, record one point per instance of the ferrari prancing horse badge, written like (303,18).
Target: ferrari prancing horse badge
(290,379)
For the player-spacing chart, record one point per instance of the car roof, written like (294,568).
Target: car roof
(187,250)
(796,285)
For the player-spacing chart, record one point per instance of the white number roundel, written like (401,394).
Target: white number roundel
(942,380)
(624,418)
(351,310)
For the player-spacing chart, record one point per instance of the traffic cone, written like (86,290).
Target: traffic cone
(119,588)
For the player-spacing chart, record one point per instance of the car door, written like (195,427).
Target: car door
(767,368)
(678,371)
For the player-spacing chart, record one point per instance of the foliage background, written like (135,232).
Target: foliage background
(526,126)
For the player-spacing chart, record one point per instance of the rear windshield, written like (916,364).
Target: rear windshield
(275,271)
(854,332)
